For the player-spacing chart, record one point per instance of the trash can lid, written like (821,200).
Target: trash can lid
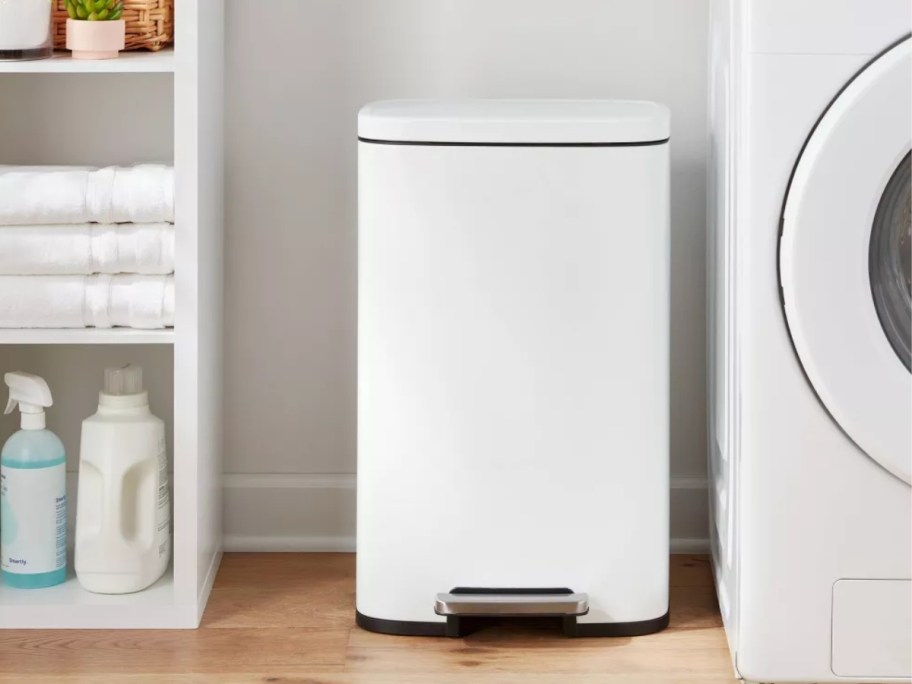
(515,122)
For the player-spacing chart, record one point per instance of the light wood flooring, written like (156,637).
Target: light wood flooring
(290,618)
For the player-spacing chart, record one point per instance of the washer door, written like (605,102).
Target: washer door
(844,259)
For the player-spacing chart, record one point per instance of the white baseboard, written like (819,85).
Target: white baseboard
(263,544)
(347,544)
(684,545)
(275,512)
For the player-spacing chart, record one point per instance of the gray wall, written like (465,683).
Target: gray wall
(298,71)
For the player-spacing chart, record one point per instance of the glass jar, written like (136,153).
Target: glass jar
(25,29)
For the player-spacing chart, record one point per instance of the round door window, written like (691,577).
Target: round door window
(845,264)
(891,261)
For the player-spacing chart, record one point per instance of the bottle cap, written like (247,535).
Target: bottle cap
(123,381)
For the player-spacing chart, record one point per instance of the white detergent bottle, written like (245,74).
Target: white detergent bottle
(33,512)
(123,511)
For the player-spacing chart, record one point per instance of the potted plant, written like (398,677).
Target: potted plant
(95,29)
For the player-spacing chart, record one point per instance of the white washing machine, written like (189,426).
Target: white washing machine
(811,392)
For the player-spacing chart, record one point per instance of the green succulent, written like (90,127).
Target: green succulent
(95,10)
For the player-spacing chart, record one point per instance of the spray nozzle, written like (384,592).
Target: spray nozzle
(31,394)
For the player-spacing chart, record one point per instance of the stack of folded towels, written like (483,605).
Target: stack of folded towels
(87,248)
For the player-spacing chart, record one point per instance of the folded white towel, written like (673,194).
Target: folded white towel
(145,248)
(98,301)
(138,194)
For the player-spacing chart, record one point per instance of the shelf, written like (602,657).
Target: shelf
(181,120)
(128,63)
(87,336)
(69,606)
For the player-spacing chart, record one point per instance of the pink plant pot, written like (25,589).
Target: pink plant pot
(95,39)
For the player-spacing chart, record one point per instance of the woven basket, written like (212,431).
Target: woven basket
(150,24)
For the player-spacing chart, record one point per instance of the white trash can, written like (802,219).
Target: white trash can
(513,362)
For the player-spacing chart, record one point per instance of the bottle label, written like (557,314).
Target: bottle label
(163,512)
(33,519)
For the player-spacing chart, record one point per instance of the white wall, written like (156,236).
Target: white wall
(297,73)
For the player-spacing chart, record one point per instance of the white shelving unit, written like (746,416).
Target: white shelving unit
(174,100)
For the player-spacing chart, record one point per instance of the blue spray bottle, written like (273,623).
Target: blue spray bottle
(33,513)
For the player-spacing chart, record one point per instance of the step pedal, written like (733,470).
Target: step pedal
(511,603)
(468,609)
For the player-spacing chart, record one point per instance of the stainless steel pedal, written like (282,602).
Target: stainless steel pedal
(511,603)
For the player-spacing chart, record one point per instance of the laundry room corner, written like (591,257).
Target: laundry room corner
(291,169)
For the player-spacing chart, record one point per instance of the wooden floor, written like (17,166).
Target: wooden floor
(289,618)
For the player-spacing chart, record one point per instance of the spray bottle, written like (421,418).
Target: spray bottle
(33,510)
